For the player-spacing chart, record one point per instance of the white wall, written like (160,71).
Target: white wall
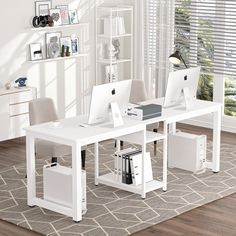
(67,81)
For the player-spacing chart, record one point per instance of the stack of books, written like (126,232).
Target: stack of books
(128,166)
(118,25)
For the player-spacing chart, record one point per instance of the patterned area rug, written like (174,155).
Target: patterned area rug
(112,211)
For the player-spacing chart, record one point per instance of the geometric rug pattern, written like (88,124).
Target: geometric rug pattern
(112,211)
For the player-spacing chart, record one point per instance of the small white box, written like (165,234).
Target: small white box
(57,185)
(187,151)
(117,24)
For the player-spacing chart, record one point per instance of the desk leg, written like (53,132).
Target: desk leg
(30,159)
(117,145)
(96,168)
(143,164)
(165,141)
(76,183)
(172,128)
(216,141)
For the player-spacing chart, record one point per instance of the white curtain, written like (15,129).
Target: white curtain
(158,44)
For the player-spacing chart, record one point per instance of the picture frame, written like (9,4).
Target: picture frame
(36,51)
(56,16)
(42,7)
(53,44)
(73,17)
(65,20)
(66,41)
(114,73)
(75,46)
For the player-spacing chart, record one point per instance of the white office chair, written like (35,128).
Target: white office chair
(138,94)
(40,111)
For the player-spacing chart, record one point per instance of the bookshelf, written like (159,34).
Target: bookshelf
(114,25)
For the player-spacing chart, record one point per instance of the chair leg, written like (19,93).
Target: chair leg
(155,143)
(54,160)
(121,145)
(83,156)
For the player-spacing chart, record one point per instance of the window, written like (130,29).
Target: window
(205,35)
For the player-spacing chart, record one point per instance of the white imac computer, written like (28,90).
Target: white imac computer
(107,99)
(182,87)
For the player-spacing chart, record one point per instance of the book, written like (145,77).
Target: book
(136,168)
(118,162)
(111,73)
(126,167)
(117,24)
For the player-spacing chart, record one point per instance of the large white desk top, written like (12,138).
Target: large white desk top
(70,129)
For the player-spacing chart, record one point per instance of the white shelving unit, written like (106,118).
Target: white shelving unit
(80,28)
(60,58)
(111,179)
(125,62)
(59,27)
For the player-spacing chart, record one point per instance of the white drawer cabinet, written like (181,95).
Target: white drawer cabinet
(20,108)
(14,111)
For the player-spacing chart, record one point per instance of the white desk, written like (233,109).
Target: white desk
(70,133)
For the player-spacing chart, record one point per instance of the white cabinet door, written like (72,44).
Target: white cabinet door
(17,124)
(4,117)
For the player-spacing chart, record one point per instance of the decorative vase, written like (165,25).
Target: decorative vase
(8,86)
(67,51)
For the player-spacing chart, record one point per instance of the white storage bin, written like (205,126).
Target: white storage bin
(57,185)
(187,151)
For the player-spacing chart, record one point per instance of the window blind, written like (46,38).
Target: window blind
(158,42)
(205,33)
(150,31)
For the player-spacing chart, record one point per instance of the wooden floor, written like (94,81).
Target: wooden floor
(215,219)
(9,229)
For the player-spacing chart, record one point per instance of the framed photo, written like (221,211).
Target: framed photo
(36,51)
(56,16)
(64,14)
(53,44)
(74,46)
(66,41)
(73,17)
(111,73)
(42,7)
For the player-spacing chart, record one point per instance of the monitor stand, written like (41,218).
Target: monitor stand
(188,98)
(116,114)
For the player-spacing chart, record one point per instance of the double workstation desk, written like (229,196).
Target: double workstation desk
(72,134)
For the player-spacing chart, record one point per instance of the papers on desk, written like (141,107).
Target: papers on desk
(128,166)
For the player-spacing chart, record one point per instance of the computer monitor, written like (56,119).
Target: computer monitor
(182,86)
(105,94)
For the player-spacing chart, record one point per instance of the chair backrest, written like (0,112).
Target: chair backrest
(138,92)
(42,110)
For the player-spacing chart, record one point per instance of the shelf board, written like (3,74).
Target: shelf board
(59,27)
(137,139)
(116,9)
(111,180)
(60,58)
(114,36)
(107,61)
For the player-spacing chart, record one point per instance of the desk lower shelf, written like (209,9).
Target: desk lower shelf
(111,180)
(137,139)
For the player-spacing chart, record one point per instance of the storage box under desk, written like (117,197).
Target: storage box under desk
(57,185)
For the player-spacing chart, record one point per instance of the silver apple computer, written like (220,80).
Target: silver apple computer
(182,87)
(106,98)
